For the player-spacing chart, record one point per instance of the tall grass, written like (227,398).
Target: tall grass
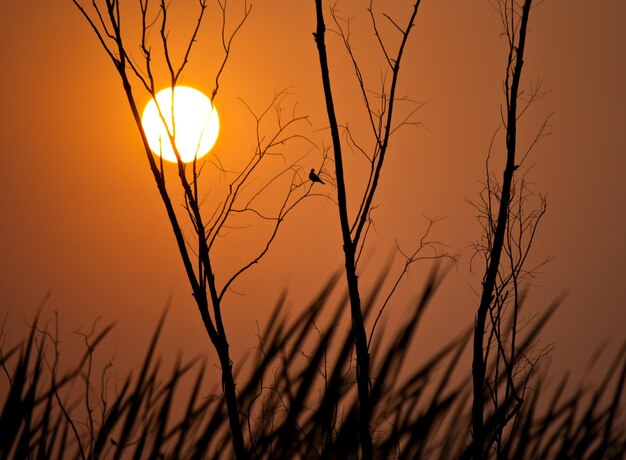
(298,399)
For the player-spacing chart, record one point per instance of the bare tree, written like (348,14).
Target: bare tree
(379,108)
(501,366)
(197,229)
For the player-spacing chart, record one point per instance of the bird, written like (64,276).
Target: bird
(314,177)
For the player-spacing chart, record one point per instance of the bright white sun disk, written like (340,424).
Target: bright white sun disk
(193,121)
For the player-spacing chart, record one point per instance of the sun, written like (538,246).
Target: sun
(190,117)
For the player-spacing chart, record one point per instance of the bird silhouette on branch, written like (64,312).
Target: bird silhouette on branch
(314,177)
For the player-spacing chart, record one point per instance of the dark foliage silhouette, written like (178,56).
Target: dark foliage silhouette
(297,399)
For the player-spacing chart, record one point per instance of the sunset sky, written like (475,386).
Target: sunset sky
(82,219)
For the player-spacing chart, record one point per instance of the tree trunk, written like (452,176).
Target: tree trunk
(232,406)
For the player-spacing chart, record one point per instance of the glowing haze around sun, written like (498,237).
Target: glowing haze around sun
(195,123)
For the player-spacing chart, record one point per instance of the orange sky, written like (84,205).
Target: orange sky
(81,216)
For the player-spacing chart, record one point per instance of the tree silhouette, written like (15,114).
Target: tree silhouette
(354,228)
(240,198)
(509,229)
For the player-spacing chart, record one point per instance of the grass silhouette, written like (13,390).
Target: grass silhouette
(298,398)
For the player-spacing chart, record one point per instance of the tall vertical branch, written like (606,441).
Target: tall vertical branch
(352,232)
(349,247)
(515,62)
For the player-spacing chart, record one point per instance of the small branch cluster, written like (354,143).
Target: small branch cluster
(380,106)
